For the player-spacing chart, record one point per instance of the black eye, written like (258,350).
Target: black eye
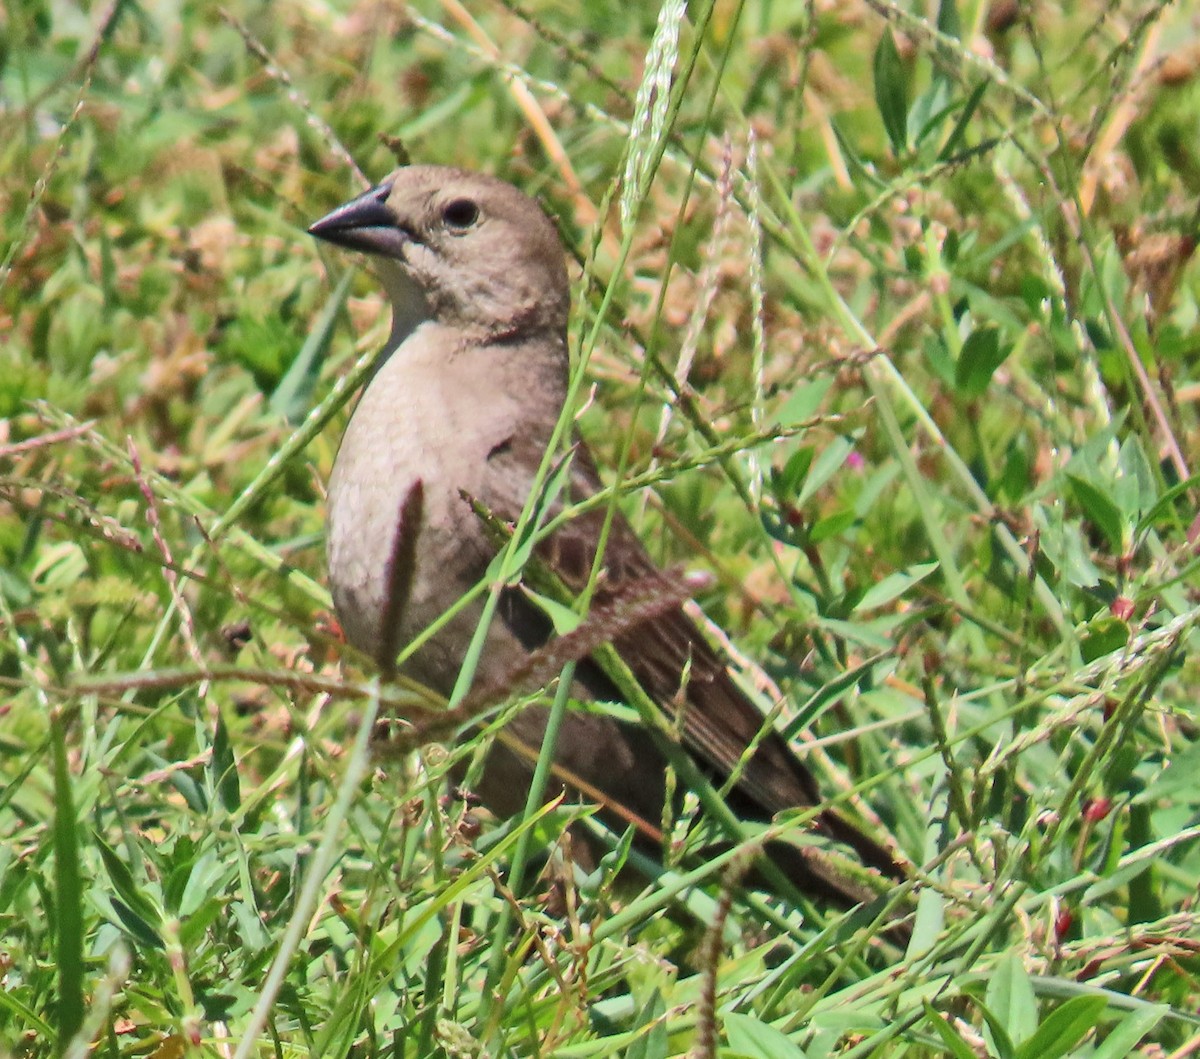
(460,213)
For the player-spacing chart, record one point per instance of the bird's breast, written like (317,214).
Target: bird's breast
(403,545)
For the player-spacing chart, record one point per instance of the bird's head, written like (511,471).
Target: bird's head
(475,251)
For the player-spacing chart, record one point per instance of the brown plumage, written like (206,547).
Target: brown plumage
(463,403)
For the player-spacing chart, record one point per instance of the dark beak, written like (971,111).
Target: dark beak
(365,223)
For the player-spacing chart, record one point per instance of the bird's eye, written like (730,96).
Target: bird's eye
(460,214)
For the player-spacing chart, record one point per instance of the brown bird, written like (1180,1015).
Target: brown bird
(461,407)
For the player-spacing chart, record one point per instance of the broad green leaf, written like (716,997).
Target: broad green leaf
(1104,635)
(1136,490)
(825,466)
(947,19)
(251,931)
(803,401)
(891,91)
(130,891)
(1011,1001)
(894,585)
(1063,1028)
(753,1038)
(1014,478)
(192,929)
(875,634)
(978,360)
(825,528)
(1075,564)
(795,470)
(1129,1030)
(224,768)
(1101,510)
(138,928)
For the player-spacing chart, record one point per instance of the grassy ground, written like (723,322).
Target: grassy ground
(926,286)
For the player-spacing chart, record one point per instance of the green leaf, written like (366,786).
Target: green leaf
(978,360)
(753,1038)
(653,1043)
(1063,545)
(891,92)
(1101,510)
(552,488)
(825,466)
(68,892)
(563,618)
(1011,1002)
(948,21)
(958,135)
(803,401)
(894,585)
(192,792)
(293,396)
(136,926)
(1163,506)
(929,112)
(1136,489)
(206,875)
(941,363)
(253,934)
(957,1046)
(953,245)
(1014,478)
(794,471)
(136,905)
(831,526)
(858,169)
(224,768)
(1129,1030)
(1104,635)
(192,929)
(995,1033)
(1118,879)
(1063,1028)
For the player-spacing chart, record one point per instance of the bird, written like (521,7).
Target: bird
(455,421)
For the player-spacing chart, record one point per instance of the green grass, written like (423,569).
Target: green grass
(890,324)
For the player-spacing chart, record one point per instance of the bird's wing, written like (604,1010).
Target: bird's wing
(683,674)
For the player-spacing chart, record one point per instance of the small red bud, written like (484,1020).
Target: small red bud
(1122,608)
(1062,924)
(1096,809)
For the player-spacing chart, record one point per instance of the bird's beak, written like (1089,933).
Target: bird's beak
(365,223)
